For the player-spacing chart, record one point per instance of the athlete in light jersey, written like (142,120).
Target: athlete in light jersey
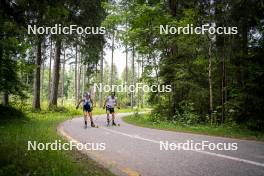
(110,103)
(87,103)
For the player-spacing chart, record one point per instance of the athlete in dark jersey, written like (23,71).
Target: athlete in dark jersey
(87,108)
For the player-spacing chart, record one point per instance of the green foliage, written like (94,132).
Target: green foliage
(12,49)
(182,60)
(186,114)
(227,130)
(16,131)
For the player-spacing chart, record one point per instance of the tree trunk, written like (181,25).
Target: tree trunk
(55,76)
(62,77)
(138,93)
(101,77)
(223,89)
(133,75)
(5,100)
(156,69)
(210,81)
(112,59)
(126,48)
(173,7)
(142,71)
(220,49)
(126,81)
(50,68)
(83,79)
(76,75)
(36,91)
(79,78)
(42,79)
(244,44)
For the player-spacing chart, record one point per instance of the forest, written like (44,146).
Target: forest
(54,53)
(215,79)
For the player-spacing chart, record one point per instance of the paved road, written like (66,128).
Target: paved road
(132,150)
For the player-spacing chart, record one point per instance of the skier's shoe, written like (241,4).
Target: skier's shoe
(113,123)
(92,124)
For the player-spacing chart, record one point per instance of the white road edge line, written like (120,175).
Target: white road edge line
(199,151)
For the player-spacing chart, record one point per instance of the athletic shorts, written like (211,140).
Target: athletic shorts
(110,110)
(87,108)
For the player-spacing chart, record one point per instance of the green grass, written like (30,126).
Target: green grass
(224,130)
(17,128)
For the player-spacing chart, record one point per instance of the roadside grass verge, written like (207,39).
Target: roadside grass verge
(239,132)
(17,128)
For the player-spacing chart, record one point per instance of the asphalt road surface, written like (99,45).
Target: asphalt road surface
(132,150)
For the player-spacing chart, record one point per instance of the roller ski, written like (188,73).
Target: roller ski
(113,123)
(85,124)
(108,122)
(92,125)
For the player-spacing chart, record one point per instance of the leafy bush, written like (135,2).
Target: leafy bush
(186,114)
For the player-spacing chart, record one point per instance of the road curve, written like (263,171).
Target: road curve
(132,150)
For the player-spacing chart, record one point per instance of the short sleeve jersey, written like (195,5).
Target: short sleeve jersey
(111,102)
